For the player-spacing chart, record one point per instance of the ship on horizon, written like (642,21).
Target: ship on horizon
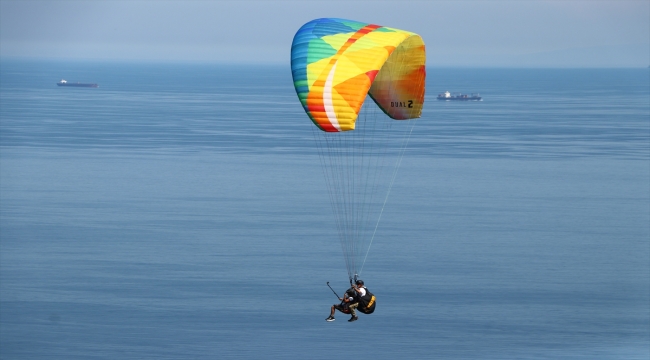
(76,84)
(448,96)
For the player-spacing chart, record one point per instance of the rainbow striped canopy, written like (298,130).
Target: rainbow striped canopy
(336,63)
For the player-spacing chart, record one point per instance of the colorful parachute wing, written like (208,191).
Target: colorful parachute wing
(336,63)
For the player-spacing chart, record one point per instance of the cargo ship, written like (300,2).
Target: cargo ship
(76,84)
(448,96)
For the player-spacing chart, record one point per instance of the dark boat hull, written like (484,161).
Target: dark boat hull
(78,85)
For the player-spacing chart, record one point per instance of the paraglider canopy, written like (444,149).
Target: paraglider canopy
(336,63)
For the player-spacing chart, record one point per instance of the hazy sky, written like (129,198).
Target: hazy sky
(587,33)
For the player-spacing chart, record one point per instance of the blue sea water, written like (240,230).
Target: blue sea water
(180,212)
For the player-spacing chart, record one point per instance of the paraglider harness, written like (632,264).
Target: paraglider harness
(367,303)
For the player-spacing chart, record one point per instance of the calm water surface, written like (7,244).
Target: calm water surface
(179,211)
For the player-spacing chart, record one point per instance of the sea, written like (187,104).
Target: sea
(179,211)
